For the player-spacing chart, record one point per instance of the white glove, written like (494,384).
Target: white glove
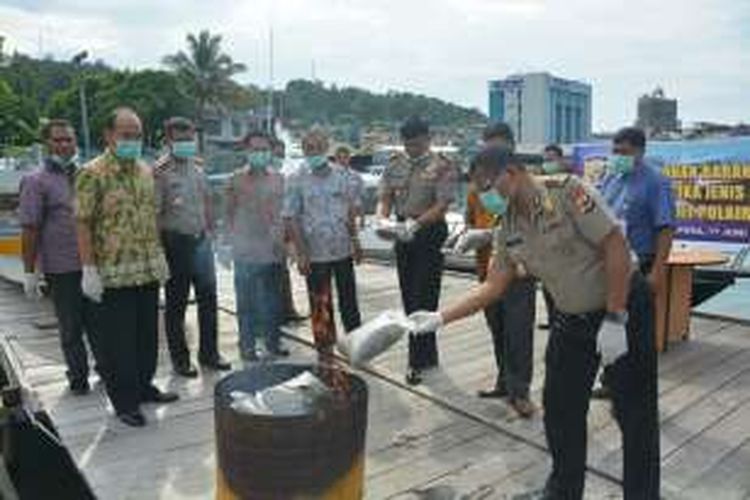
(32,285)
(612,343)
(388,229)
(224,256)
(425,322)
(411,227)
(473,239)
(91,284)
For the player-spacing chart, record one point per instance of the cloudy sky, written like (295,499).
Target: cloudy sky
(698,50)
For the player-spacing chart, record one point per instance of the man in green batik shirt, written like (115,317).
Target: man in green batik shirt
(123,263)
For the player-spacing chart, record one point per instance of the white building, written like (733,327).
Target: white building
(541,108)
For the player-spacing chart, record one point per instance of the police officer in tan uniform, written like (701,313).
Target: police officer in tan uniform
(562,232)
(418,187)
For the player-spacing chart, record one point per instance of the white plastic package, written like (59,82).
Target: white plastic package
(390,230)
(297,396)
(376,336)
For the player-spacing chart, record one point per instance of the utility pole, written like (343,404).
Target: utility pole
(78,61)
(270,117)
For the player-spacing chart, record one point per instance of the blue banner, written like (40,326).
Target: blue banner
(711,180)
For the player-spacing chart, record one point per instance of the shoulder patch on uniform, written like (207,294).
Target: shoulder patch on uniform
(582,200)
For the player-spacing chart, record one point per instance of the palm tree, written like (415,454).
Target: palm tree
(205,72)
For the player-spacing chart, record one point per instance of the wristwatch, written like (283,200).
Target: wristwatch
(619,318)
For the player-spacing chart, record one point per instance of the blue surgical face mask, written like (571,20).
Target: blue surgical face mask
(551,167)
(259,160)
(128,149)
(63,161)
(184,149)
(494,202)
(317,162)
(621,164)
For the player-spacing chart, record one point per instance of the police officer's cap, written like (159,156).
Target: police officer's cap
(414,127)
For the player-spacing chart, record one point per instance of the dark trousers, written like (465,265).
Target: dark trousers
(420,273)
(321,300)
(289,311)
(76,315)
(511,321)
(571,364)
(128,343)
(191,263)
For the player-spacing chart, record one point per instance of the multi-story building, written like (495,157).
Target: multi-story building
(657,114)
(541,108)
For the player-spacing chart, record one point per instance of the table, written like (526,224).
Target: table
(672,305)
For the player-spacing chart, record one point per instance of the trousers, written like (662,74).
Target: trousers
(571,365)
(129,340)
(420,271)
(511,322)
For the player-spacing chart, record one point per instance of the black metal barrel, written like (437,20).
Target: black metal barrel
(315,456)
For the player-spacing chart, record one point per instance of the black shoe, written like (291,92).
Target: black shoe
(80,388)
(601,392)
(132,418)
(494,393)
(218,364)
(413,376)
(186,370)
(154,395)
(543,326)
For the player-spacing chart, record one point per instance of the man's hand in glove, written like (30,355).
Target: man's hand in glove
(425,322)
(91,284)
(411,226)
(473,239)
(613,338)
(32,283)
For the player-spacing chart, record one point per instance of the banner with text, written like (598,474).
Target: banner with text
(711,180)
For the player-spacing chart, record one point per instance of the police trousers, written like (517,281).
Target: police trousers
(511,321)
(191,263)
(420,271)
(571,365)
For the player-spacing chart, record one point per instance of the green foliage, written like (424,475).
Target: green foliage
(151,93)
(17,119)
(312,102)
(205,73)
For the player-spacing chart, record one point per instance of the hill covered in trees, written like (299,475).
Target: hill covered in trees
(34,89)
(313,102)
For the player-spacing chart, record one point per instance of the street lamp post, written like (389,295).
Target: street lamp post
(78,61)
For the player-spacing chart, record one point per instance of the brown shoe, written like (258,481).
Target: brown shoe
(523,407)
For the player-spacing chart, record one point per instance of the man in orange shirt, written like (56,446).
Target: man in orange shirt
(511,320)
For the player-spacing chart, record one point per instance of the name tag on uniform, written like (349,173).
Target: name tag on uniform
(513,241)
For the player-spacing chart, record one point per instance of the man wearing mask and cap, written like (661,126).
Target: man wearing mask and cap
(184,214)
(256,232)
(563,233)
(511,320)
(320,210)
(642,200)
(123,264)
(418,188)
(47,216)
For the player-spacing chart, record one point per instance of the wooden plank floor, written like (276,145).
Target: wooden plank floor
(437,441)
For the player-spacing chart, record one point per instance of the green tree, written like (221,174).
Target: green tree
(17,120)
(205,73)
